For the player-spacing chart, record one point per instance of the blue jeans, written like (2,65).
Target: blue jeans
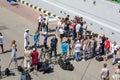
(73,34)
(77,56)
(114,57)
(93,51)
(106,51)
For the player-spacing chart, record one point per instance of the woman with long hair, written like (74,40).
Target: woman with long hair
(13,53)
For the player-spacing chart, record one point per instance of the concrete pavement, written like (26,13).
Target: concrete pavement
(13,22)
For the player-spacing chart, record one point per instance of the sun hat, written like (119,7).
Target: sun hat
(26,30)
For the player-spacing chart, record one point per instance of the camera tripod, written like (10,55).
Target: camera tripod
(14,59)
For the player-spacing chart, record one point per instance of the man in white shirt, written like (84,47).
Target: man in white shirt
(26,38)
(77,50)
(114,49)
(78,26)
(46,22)
(61,31)
(40,19)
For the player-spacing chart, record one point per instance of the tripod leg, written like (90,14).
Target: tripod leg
(16,64)
(10,63)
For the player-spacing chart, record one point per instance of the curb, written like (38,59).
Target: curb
(38,9)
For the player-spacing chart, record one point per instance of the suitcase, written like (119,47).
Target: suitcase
(99,58)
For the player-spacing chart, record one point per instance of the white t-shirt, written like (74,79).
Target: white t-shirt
(99,42)
(104,72)
(61,31)
(84,26)
(46,19)
(59,23)
(78,27)
(26,36)
(1,39)
(114,48)
(77,47)
(40,18)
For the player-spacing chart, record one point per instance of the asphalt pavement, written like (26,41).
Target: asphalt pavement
(13,22)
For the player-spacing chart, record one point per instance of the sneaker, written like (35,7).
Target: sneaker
(75,61)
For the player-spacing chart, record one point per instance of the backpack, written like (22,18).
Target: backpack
(99,58)
(7,72)
(20,69)
(25,76)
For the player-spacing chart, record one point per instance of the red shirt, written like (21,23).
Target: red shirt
(73,25)
(107,44)
(35,57)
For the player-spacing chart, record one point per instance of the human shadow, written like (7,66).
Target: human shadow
(51,30)
(20,58)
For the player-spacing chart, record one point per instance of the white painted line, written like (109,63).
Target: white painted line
(89,18)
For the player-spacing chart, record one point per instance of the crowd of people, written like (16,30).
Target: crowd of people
(75,41)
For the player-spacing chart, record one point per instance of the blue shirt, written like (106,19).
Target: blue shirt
(64,47)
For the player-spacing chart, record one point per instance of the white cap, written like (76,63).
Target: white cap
(26,30)
(78,41)
(45,33)
(119,62)
(34,49)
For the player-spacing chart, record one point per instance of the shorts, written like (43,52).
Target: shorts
(106,51)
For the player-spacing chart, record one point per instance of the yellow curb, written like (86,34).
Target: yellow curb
(38,9)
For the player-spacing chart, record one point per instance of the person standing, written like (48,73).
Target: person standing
(78,26)
(53,46)
(84,28)
(64,48)
(104,72)
(26,38)
(93,47)
(35,55)
(84,51)
(36,38)
(73,29)
(106,48)
(1,42)
(40,19)
(99,45)
(45,40)
(27,58)
(13,53)
(46,22)
(61,31)
(114,49)
(77,50)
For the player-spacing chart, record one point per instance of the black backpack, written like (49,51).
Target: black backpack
(70,67)
(20,69)
(99,58)
(7,72)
